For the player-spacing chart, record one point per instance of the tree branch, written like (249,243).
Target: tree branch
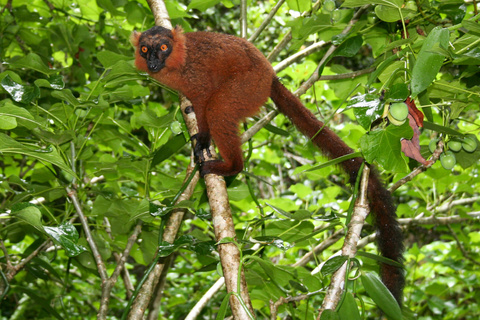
(349,249)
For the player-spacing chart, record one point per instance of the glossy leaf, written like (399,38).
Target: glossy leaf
(67,236)
(54,82)
(18,92)
(428,63)
(367,108)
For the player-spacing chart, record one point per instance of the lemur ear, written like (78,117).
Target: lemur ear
(178,30)
(134,37)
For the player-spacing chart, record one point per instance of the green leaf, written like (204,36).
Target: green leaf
(166,248)
(50,155)
(7,123)
(32,61)
(109,58)
(19,92)
(53,82)
(67,96)
(440,129)
(202,5)
(329,315)
(471,26)
(238,191)
(349,309)
(361,3)
(222,311)
(148,118)
(330,162)
(302,214)
(121,72)
(19,114)
(397,93)
(280,211)
(168,149)
(31,215)
(350,47)
(429,63)
(333,264)
(301,190)
(366,108)
(299,5)
(384,146)
(135,13)
(176,10)
(57,138)
(381,295)
(290,230)
(276,130)
(67,236)
(40,301)
(389,13)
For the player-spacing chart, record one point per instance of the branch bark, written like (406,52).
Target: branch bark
(349,249)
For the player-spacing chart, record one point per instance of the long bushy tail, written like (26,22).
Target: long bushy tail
(390,237)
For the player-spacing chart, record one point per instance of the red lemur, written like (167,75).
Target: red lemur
(227,80)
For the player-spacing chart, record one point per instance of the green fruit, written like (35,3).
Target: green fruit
(469,144)
(432,145)
(448,160)
(411,5)
(394,121)
(329,5)
(455,145)
(399,111)
(336,15)
(176,127)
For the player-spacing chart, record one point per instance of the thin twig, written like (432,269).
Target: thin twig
(197,308)
(266,21)
(316,74)
(288,37)
(317,46)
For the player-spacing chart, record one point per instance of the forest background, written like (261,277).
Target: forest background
(93,152)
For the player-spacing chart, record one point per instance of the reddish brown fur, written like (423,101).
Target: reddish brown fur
(227,79)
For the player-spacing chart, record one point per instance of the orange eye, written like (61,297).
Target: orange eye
(144,49)
(164,47)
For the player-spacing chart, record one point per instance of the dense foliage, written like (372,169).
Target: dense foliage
(77,118)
